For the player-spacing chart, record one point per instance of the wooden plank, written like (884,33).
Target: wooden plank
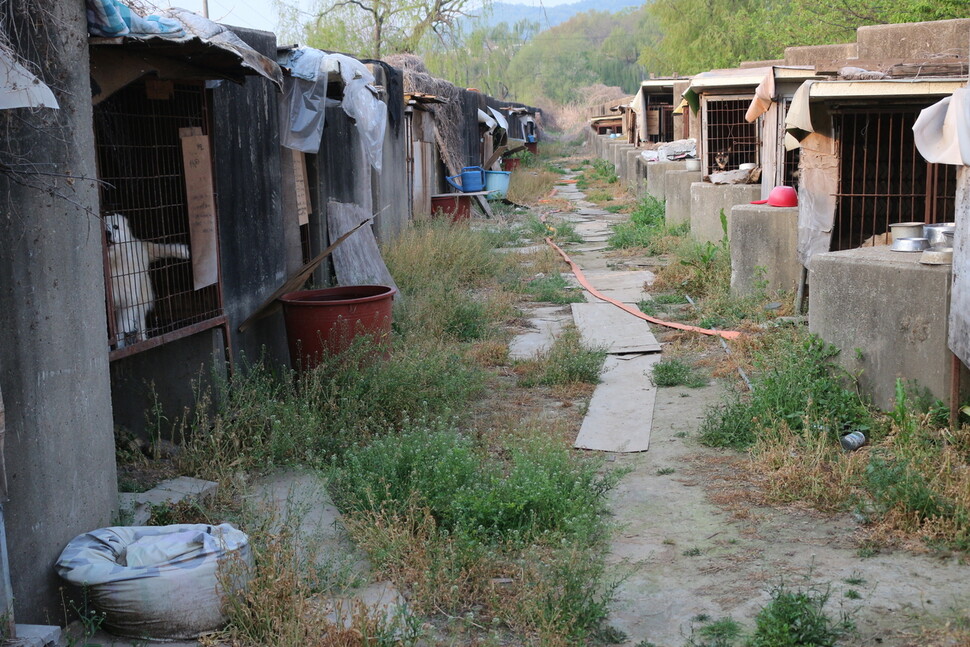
(6,591)
(494,157)
(200,206)
(959,325)
(271,304)
(358,261)
(483,205)
(620,413)
(604,325)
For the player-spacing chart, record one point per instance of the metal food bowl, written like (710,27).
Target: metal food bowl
(910,245)
(906,230)
(936,233)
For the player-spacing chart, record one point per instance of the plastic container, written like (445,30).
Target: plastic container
(510,163)
(472,179)
(327,321)
(457,207)
(497,184)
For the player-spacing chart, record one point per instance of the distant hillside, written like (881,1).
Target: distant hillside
(551,16)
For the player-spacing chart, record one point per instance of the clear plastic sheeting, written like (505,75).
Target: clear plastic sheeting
(305,102)
(158,581)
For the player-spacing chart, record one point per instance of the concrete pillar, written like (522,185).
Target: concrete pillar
(706,202)
(677,191)
(632,170)
(763,242)
(54,355)
(657,174)
(888,314)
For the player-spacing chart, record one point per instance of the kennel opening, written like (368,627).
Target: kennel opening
(882,177)
(728,136)
(140,162)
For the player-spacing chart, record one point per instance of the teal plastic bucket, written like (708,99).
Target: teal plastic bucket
(497,184)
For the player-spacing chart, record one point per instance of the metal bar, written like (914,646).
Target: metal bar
(154,342)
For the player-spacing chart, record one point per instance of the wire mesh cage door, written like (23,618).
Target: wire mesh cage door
(883,179)
(148,253)
(729,140)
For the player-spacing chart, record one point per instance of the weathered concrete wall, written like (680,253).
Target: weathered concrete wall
(706,202)
(763,237)
(657,177)
(891,308)
(918,40)
(641,173)
(820,54)
(677,190)
(631,171)
(54,356)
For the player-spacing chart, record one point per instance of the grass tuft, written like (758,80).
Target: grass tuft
(674,372)
(568,361)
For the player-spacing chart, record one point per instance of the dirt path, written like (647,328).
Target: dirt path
(688,544)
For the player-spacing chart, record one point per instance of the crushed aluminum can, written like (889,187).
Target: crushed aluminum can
(853,441)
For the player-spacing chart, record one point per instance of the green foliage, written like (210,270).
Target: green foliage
(603,170)
(797,618)
(538,490)
(723,632)
(568,361)
(797,384)
(553,289)
(895,483)
(674,372)
(647,228)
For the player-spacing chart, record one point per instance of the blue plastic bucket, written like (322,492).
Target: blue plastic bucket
(497,184)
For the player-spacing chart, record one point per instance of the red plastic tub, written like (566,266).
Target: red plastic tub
(327,321)
(510,163)
(459,207)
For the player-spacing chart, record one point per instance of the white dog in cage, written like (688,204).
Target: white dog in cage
(131,288)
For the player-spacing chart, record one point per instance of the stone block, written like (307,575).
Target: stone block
(36,635)
(677,191)
(708,200)
(657,177)
(631,171)
(916,40)
(763,248)
(887,313)
(138,505)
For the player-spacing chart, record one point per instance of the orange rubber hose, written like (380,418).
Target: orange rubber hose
(726,334)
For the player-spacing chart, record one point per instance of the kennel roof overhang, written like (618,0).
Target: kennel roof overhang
(741,79)
(803,115)
(208,50)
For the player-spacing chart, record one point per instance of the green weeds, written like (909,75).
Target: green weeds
(797,617)
(796,384)
(568,361)
(674,372)
(553,288)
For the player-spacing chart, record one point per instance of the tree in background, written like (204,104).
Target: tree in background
(691,36)
(374,28)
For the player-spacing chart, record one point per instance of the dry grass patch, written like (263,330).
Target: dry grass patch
(528,186)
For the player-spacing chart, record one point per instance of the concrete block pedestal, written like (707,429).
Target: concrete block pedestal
(892,309)
(763,237)
(706,202)
(677,191)
(657,177)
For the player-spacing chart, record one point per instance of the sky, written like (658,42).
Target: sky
(261,14)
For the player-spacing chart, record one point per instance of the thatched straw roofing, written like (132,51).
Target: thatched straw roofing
(448,116)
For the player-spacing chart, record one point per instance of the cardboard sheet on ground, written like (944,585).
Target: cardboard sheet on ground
(604,325)
(620,415)
(357,261)
(547,323)
(627,287)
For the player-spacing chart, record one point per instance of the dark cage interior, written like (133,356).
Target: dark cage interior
(731,141)
(660,121)
(883,179)
(147,255)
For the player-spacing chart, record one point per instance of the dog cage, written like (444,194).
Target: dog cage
(660,121)
(882,177)
(729,139)
(150,284)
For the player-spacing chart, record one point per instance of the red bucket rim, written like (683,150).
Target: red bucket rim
(312,297)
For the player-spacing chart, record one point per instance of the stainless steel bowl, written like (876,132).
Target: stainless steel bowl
(909,245)
(906,230)
(936,232)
